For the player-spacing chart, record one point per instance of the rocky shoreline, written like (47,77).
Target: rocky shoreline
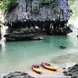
(32,33)
(18,74)
(72,71)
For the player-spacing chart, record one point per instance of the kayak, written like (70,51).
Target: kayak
(36,68)
(48,66)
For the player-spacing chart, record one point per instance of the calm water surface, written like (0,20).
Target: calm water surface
(21,55)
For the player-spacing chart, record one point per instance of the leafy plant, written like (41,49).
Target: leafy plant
(70,3)
(5,4)
(46,1)
(35,8)
(73,5)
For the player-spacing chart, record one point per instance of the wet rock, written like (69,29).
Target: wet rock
(18,74)
(64,68)
(62,47)
(19,37)
(38,38)
(65,72)
(74,77)
(72,71)
(23,34)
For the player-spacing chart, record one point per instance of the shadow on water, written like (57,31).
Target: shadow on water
(57,40)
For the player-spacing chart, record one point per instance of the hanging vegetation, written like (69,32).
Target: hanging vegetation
(46,1)
(6,4)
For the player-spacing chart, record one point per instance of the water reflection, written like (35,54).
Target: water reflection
(3,39)
(3,46)
(2,42)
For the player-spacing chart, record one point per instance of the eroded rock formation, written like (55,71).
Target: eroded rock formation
(35,11)
(51,17)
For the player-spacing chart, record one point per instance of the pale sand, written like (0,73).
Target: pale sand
(45,74)
(48,73)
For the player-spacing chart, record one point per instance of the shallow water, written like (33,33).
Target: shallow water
(21,55)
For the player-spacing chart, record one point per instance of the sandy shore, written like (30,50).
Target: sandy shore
(45,74)
(48,73)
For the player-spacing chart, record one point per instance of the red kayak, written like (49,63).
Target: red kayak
(48,66)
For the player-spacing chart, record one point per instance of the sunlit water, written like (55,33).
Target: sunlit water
(21,55)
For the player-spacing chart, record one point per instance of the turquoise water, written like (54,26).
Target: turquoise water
(21,55)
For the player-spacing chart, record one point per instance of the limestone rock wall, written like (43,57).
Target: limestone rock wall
(33,10)
(53,16)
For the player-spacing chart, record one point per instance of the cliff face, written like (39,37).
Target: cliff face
(34,10)
(52,16)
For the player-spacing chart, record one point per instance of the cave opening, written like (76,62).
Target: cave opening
(48,27)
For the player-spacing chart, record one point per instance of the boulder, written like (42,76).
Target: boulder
(72,71)
(62,47)
(17,74)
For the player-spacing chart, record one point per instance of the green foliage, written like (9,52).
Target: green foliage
(35,8)
(70,3)
(5,4)
(73,5)
(55,11)
(46,1)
